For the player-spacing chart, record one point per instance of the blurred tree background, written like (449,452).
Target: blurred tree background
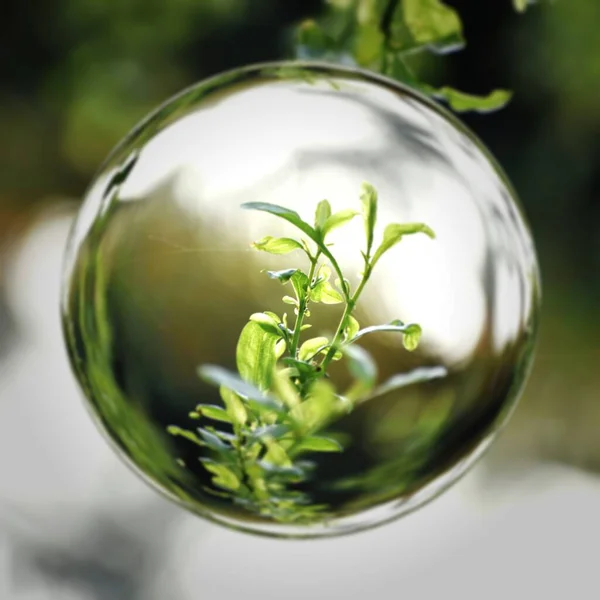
(76,75)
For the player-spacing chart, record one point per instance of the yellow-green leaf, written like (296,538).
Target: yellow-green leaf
(300,283)
(322,213)
(319,408)
(325,293)
(394,233)
(368,199)
(368,44)
(432,23)
(280,348)
(324,273)
(267,322)
(521,5)
(216,413)
(235,407)
(284,389)
(338,219)
(184,433)
(312,347)
(318,444)
(276,454)
(412,337)
(224,477)
(352,328)
(277,245)
(461,102)
(255,355)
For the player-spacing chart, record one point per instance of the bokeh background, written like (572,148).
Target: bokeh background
(75,76)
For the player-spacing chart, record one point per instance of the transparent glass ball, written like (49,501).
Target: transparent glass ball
(247,425)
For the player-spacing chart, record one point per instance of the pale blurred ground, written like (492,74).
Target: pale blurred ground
(75,524)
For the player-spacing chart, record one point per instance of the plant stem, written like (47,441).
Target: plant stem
(338,270)
(347,312)
(386,29)
(302,305)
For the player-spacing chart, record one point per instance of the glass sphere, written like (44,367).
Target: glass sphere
(418,278)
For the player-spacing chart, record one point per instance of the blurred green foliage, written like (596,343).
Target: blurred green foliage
(385,35)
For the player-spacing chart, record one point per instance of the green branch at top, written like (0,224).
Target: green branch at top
(381,35)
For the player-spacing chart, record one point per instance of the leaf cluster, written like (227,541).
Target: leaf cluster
(278,404)
(383,35)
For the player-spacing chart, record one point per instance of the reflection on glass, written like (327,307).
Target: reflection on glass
(161,281)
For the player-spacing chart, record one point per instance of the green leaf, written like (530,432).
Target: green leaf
(361,365)
(394,233)
(338,219)
(318,444)
(218,376)
(283,276)
(300,284)
(398,69)
(213,442)
(304,368)
(294,218)
(427,23)
(223,435)
(290,300)
(324,273)
(412,333)
(320,407)
(256,355)
(216,413)
(368,199)
(273,316)
(412,337)
(275,431)
(312,347)
(235,407)
(420,375)
(322,213)
(284,389)
(288,215)
(276,454)
(351,328)
(267,323)
(521,5)
(277,245)
(291,473)
(343,284)
(461,102)
(325,293)
(224,477)
(368,44)
(184,433)
(280,348)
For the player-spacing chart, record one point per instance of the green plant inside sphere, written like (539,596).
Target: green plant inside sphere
(300,299)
